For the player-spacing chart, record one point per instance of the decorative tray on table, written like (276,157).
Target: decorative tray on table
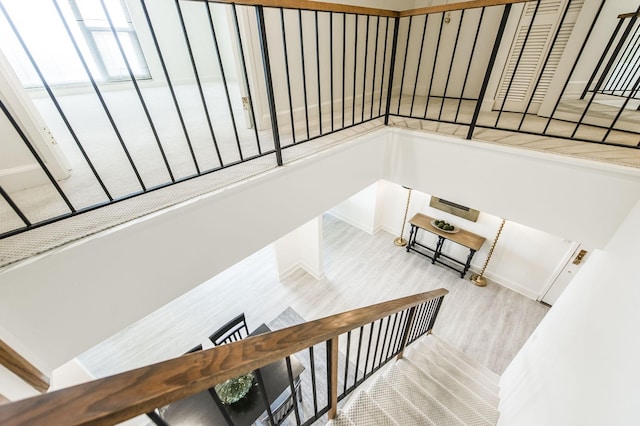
(444,226)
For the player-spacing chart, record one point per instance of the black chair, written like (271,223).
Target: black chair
(234,330)
(283,405)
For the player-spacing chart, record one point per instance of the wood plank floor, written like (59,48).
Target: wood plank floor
(489,323)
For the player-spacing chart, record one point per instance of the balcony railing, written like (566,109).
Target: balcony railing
(257,84)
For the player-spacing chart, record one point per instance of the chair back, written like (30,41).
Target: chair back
(284,405)
(234,330)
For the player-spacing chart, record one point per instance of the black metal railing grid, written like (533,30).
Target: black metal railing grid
(313,73)
(362,352)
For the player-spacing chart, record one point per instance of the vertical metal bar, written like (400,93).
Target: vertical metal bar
(384,65)
(435,62)
(355,376)
(286,70)
(415,82)
(134,81)
(264,49)
(435,314)
(245,76)
(224,78)
(517,65)
(364,76)
(220,405)
(604,53)
(375,351)
(466,75)
(304,75)
(407,331)
(199,84)
(375,66)
(366,360)
(384,340)
(355,72)
(170,85)
(404,66)
(344,55)
(318,72)
(398,333)
(261,386)
(622,108)
(98,93)
(55,102)
(394,47)
(487,75)
(453,56)
(546,60)
(416,323)
(622,73)
(313,380)
(332,376)
(35,154)
(293,390)
(631,55)
(346,368)
(392,336)
(607,67)
(15,207)
(331,67)
(575,64)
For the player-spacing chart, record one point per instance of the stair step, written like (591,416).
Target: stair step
(421,399)
(396,405)
(457,381)
(363,411)
(451,359)
(340,420)
(495,378)
(469,410)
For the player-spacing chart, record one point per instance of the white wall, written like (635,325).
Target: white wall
(301,249)
(580,366)
(361,210)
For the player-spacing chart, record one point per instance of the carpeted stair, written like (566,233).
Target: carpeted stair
(434,384)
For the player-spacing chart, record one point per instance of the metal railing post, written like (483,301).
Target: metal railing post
(392,65)
(487,76)
(264,49)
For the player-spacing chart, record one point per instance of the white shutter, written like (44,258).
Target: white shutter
(538,44)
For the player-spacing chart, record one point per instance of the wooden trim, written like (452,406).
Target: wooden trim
(311,5)
(629,15)
(333,403)
(458,6)
(4,399)
(120,397)
(22,368)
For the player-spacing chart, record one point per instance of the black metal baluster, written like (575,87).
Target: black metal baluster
(304,74)
(220,405)
(487,75)
(292,388)
(392,336)
(313,380)
(415,82)
(134,81)
(394,46)
(453,56)
(466,75)
(55,102)
(384,66)
(404,66)
(318,72)
(286,70)
(375,66)
(224,79)
(331,67)
(384,341)
(344,55)
(435,63)
(245,76)
(355,72)
(634,65)
(198,83)
(366,360)
(404,318)
(575,64)
(355,376)
(261,386)
(517,65)
(546,61)
(346,368)
(98,94)
(617,75)
(170,85)
(375,351)
(622,108)
(15,207)
(264,48)
(435,314)
(364,76)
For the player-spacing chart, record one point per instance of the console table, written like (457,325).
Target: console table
(465,238)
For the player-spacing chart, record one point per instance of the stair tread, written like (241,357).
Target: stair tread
(363,411)
(470,414)
(453,379)
(495,378)
(449,357)
(340,420)
(396,404)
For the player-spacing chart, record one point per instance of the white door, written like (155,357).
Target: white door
(580,255)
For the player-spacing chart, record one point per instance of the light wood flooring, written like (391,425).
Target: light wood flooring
(490,324)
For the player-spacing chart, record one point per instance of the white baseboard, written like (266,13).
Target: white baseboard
(366,228)
(500,280)
(22,177)
(318,275)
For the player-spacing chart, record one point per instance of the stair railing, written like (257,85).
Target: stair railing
(381,331)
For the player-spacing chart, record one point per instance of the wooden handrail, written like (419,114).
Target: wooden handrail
(22,368)
(628,15)
(123,396)
(359,10)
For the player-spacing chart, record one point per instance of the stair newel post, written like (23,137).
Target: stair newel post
(407,331)
(332,371)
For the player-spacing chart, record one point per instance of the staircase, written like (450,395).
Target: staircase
(434,384)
